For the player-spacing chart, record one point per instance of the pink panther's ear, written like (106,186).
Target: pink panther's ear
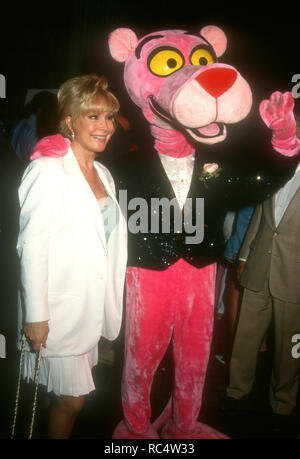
(121,41)
(216,37)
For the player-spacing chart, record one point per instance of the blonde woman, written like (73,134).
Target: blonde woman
(72,248)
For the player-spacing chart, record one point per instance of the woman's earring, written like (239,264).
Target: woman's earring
(72,135)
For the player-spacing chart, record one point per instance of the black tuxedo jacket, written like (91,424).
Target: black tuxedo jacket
(142,175)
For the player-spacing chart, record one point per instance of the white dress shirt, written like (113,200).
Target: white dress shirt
(285,195)
(179,172)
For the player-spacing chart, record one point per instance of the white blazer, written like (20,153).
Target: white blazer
(70,276)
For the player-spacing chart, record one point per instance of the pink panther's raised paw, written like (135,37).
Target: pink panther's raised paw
(277,113)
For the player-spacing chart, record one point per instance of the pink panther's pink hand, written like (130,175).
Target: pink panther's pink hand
(53,146)
(277,113)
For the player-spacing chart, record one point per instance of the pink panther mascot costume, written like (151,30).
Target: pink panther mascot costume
(184,93)
(188,98)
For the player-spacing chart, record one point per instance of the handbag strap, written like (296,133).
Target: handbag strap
(36,380)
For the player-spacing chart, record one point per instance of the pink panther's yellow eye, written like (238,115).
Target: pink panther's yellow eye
(201,57)
(165,62)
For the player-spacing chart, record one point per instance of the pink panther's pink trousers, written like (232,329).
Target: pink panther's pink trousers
(177,304)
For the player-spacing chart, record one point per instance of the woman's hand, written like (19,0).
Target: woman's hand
(36,333)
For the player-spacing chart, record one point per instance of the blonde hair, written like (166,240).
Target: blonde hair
(81,95)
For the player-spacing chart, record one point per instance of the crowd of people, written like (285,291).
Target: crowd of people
(59,209)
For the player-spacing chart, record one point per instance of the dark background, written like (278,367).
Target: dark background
(45,43)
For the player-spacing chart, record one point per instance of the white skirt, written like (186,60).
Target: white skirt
(63,375)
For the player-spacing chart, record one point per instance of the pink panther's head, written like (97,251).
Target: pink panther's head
(176,79)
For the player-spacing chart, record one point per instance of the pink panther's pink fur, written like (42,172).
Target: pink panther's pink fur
(202,99)
(278,115)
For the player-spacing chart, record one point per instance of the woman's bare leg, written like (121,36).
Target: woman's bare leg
(63,414)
